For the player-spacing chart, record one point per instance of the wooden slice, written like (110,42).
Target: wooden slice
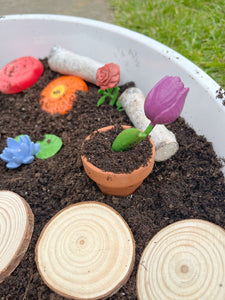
(86,251)
(16,228)
(184,261)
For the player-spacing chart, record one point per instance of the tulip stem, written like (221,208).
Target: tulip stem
(143,135)
(149,129)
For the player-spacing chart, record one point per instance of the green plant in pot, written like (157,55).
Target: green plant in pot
(163,105)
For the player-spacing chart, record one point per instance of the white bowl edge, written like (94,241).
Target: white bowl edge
(142,59)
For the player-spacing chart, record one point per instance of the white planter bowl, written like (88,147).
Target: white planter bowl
(141,59)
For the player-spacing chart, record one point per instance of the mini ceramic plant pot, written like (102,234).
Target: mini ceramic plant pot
(118,184)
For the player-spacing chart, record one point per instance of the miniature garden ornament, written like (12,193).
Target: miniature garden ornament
(107,78)
(19,152)
(59,95)
(50,145)
(93,249)
(67,62)
(163,105)
(17,224)
(22,150)
(166,145)
(20,74)
(118,184)
(165,101)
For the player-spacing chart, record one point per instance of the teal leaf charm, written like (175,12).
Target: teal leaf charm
(50,145)
(127,139)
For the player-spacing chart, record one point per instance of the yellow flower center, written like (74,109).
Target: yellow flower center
(58,91)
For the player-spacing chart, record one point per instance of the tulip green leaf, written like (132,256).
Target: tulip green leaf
(127,139)
(50,145)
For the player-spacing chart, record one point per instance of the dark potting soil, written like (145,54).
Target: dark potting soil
(98,151)
(221,95)
(189,185)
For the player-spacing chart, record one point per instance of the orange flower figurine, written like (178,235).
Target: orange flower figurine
(58,96)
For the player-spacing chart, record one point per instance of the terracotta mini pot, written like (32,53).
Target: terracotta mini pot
(118,184)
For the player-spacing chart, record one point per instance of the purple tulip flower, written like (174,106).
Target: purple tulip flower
(163,105)
(165,101)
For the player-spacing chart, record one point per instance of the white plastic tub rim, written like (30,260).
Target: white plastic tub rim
(141,59)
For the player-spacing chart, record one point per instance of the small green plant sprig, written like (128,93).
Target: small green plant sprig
(111,93)
(107,78)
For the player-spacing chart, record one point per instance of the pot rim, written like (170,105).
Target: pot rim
(112,174)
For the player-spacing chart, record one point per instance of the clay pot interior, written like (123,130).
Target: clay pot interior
(118,184)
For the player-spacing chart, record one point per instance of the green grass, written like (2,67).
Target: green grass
(194,28)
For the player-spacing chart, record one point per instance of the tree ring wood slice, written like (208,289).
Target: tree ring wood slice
(184,261)
(16,228)
(86,251)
